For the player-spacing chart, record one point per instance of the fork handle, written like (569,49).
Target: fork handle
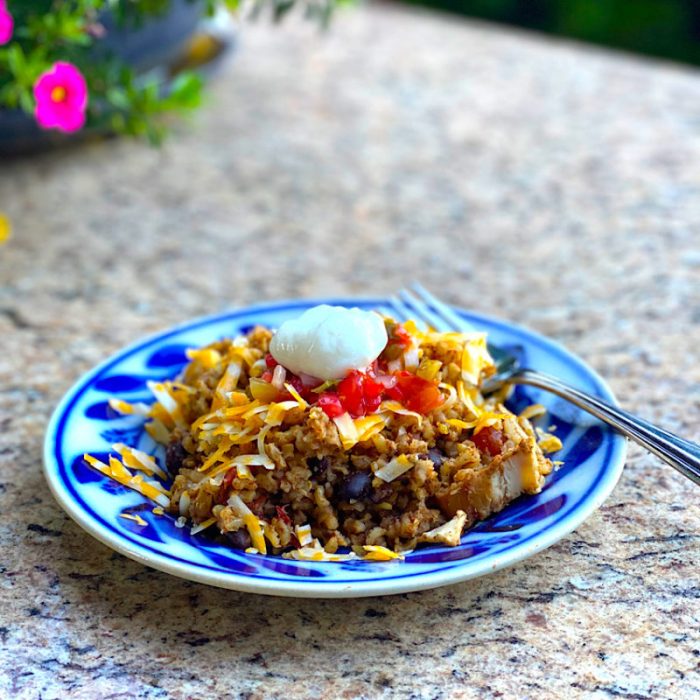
(682,455)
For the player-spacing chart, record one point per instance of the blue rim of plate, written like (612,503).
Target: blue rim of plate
(593,457)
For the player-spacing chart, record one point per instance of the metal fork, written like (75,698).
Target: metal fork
(682,455)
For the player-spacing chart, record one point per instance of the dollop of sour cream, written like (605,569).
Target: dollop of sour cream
(328,341)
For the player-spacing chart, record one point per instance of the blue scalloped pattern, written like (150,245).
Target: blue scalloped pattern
(85,423)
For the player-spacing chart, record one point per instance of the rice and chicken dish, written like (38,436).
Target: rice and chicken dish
(344,434)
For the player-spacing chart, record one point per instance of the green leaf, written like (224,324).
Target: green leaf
(26,102)
(15,60)
(118,98)
(186,91)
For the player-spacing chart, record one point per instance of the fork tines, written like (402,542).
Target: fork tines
(421,305)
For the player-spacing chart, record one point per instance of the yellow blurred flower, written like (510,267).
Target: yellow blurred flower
(5,228)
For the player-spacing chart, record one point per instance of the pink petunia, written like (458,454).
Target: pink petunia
(7,24)
(61,98)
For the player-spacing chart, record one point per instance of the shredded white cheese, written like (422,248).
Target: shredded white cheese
(303,533)
(394,469)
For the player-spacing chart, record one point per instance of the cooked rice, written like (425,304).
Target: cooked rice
(279,476)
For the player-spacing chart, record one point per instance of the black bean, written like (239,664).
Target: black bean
(318,466)
(355,486)
(269,510)
(436,456)
(175,455)
(240,539)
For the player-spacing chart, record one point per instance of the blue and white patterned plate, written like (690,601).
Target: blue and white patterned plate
(83,422)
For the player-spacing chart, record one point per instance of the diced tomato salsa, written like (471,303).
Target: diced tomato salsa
(399,341)
(225,487)
(361,393)
(489,440)
(415,393)
(330,403)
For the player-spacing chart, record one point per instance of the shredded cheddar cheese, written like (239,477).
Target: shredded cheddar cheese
(297,397)
(135,517)
(127,409)
(377,553)
(251,522)
(533,411)
(117,471)
(136,459)
(202,526)
(207,357)
(346,430)
(547,441)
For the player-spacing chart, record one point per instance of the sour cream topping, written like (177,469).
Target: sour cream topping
(328,341)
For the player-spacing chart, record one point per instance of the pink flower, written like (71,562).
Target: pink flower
(7,24)
(61,98)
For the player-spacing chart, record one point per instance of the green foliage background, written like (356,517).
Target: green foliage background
(664,28)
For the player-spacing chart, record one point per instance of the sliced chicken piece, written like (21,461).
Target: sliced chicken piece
(449,533)
(486,490)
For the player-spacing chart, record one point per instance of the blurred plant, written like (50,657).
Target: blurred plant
(49,66)
(666,28)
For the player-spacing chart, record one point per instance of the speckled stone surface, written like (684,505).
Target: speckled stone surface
(544,182)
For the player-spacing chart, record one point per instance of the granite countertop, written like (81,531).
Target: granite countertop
(546,182)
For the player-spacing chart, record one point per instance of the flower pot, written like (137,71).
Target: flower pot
(156,41)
